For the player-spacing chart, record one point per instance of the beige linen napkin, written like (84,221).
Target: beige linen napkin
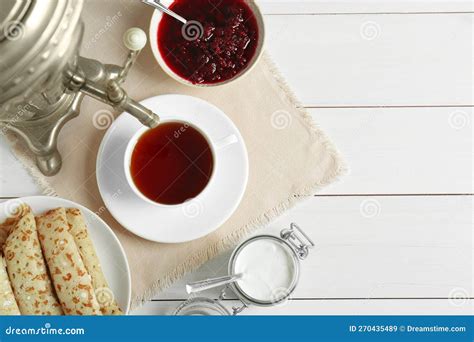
(290,158)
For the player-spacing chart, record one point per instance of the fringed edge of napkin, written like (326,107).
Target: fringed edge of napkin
(198,259)
(228,242)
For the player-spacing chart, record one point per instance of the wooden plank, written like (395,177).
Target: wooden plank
(14,179)
(375,60)
(331,307)
(361,6)
(368,248)
(388,150)
(402,150)
(380,247)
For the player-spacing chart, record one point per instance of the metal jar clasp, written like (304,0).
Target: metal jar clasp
(298,240)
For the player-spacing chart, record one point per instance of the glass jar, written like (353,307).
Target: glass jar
(267,254)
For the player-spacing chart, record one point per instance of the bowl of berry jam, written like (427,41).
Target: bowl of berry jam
(221,41)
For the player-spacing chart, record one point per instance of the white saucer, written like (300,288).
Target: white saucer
(197,217)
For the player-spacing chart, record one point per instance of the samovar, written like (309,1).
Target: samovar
(43,79)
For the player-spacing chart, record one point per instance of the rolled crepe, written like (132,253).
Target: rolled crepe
(27,269)
(78,229)
(7,226)
(4,231)
(8,305)
(70,278)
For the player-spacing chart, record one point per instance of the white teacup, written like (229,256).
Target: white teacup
(214,145)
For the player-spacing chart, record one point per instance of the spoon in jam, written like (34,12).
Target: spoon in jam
(159,6)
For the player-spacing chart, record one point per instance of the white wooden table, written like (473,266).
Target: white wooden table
(392,83)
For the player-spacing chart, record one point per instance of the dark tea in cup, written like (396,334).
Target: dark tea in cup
(172,163)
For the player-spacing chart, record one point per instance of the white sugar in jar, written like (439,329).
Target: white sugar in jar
(269,268)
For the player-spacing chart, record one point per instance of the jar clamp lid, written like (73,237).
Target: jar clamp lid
(292,240)
(201,306)
(298,239)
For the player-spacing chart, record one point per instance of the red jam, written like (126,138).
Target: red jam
(222,49)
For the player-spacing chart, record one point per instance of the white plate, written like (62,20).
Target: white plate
(196,218)
(109,250)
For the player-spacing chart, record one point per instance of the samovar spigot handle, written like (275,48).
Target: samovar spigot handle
(134,40)
(103,82)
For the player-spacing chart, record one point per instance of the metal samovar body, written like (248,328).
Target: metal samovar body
(43,79)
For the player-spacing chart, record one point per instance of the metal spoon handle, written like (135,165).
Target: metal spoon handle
(159,6)
(207,284)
